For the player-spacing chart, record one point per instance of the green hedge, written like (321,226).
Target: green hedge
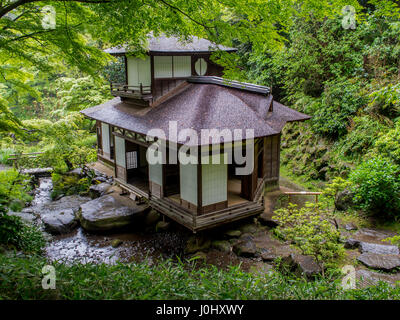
(21,278)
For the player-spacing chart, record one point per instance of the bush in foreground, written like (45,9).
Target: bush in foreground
(22,279)
(376,186)
(16,234)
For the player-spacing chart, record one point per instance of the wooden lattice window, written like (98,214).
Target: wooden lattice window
(131,160)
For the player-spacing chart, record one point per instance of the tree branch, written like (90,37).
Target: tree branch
(186,15)
(6,9)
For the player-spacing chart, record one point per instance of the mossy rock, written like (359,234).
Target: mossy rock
(233,233)
(195,244)
(245,248)
(152,217)
(249,228)
(221,245)
(162,226)
(116,243)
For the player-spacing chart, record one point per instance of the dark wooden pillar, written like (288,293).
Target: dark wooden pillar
(199,183)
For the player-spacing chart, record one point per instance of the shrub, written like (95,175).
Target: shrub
(388,144)
(21,279)
(5,155)
(376,186)
(14,232)
(332,190)
(362,135)
(310,230)
(14,188)
(340,100)
(69,184)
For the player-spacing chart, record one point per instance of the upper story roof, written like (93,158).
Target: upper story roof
(163,44)
(201,106)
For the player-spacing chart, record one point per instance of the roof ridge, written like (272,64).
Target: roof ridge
(230,84)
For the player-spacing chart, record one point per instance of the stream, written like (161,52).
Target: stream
(135,245)
(81,246)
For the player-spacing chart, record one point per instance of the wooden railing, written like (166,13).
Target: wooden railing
(15,157)
(122,89)
(302,193)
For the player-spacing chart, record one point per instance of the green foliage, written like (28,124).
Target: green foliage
(310,230)
(339,101)
(346,80)
(75,94)
(362,133)
(65,184)
(14,187)
(5,155)
(22,278)
(332,189)
(387,144)
(376,186)
(66,143)
(386,100)
(15,233)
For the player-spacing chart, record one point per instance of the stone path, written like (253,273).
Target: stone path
(378,260)
(4,167)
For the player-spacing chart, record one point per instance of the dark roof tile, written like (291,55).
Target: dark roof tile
(164,44)
(200,106)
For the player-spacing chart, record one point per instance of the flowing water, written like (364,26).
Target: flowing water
(137,245)
(81,246)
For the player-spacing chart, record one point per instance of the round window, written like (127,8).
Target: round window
(201,67)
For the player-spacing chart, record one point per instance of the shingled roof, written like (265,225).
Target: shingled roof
(200,106)
(164,44)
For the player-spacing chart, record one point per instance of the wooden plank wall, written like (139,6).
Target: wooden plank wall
(272,157)
(163,86)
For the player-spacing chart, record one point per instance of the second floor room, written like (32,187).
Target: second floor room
(167,63)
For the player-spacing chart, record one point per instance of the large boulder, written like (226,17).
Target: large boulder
(59,217)
(344,200)
(386,262)
(350,226)
(109,212)
(373,235)
(25,214)
(268,255)
(59,222)
(100,179)
(79,172)
(69,202)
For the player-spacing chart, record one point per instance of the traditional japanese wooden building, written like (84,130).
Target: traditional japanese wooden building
(178,82)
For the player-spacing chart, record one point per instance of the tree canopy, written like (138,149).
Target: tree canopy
(30,40)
